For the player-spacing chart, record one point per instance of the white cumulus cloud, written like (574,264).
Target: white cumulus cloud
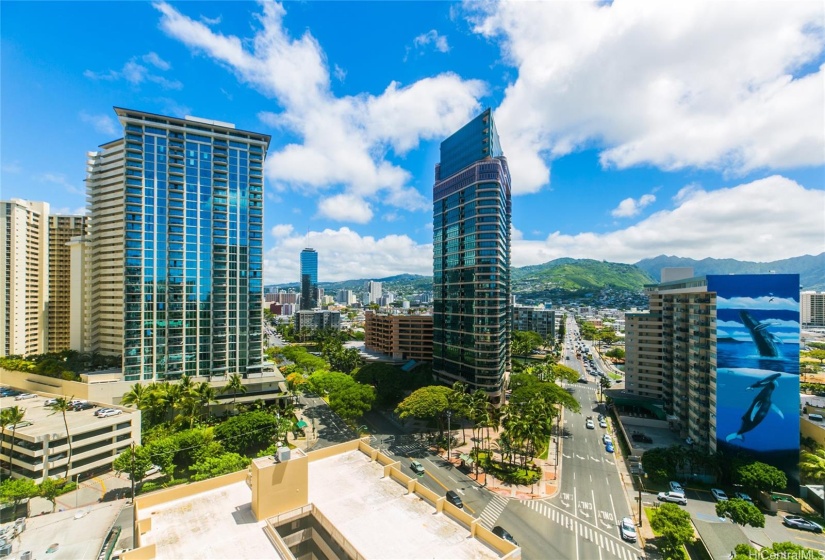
(101,123)
(431,37)
(344,140)
(630,207)
(758,221)
(282,230)
(136,72)
(730,86)
(344,254)
(345,208)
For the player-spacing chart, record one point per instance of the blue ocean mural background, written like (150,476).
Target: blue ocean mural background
(757,365)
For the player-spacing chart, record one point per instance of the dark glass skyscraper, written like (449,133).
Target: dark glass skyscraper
(471,259)
(309,279)
(177,246)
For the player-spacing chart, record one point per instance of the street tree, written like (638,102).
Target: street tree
(758,476)
(388,381)
(741,511)
(329,382)
(426,403)
(15,490)
(524,342)
(352,401)
(674,524)
(816,354)
(135,469)
(50,489)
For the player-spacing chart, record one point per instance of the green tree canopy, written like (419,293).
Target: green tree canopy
(143,462)
(328,382)
(388,380)
(351,402)
(301,357)
(247,432)
(760,476)
(816,354)
(616,353)
(741,511)
(225,463)
(15,490)
(425,403)
(51,488)
(675,527)
(525,342)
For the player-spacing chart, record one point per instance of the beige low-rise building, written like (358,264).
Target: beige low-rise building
(41,441)
(344,501)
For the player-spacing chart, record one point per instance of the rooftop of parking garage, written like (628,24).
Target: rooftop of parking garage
(40,420)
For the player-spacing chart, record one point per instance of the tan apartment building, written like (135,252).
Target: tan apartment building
(61,231)
(401,336)
(24,242)
(105,189)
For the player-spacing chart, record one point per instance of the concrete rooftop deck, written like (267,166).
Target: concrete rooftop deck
(218,524)
(379,519)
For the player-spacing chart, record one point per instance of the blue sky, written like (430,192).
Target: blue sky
(632,129)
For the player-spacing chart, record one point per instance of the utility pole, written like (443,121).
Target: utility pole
(134,508)
(449,433)
(640,501)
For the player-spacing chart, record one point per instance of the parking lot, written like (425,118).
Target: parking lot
(701,505)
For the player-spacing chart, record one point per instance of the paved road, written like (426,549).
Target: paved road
(326,428)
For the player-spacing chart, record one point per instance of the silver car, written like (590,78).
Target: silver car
(628,529)
(674,497)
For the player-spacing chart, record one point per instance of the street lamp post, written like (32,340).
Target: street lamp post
(77,490)
(449,433)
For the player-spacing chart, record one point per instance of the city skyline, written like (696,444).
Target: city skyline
(656,155)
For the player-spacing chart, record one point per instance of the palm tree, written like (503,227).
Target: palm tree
(206,396)
(62,405)
(11,416)
(812,465)
(235,385)
(138,396)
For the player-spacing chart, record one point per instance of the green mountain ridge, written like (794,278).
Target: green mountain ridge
(589,281)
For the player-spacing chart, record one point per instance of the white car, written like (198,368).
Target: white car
(50,402)
(589,424)
(25,396)
(719,495)
(110,412)
(675,497)
(742,496)
(675,486)
(628,529)
(602,423)
(607,439)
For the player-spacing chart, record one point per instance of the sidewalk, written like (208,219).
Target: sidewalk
(547,487)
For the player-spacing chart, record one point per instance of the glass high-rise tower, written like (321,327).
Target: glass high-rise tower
(309,279)
(471,259)
(176,246)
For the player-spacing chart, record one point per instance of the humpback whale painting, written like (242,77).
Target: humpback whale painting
(759,408)
(765,340)
(757,365)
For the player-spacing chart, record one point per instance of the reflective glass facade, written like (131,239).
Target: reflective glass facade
(471,259)
(192,245)
(309,279)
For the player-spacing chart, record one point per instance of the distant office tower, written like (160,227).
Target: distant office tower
(374,290)
(24,285)
(345,297)
(471,259)
(720,355)
(176,246)
(62,229)
(309,279)
(812,307)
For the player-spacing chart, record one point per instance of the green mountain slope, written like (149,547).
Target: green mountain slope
(811,269)
(579,274)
